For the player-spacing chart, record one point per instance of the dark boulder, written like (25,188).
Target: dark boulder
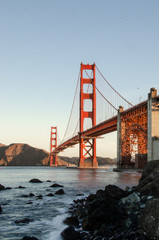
(23,221)
(73,221)
(21,187)
(91,197)
(100,211)
(79,194)
(30,202)
(70,233)
(31,195)
(29,238)
(115,192)
(35,180)
(60,191)
(151,171)
(149,182)
(39,197)
(24,195)
(56,185)
(8,188)
(149,219)
(50,195)
(2,187)
(0,209)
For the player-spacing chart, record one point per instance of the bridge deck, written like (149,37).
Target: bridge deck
(100,129)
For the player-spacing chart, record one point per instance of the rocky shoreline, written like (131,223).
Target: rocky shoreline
(117,214)
(110,214)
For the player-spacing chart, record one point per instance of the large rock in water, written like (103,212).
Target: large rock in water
(70,233)
(149,182)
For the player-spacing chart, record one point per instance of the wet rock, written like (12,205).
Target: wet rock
(149,182)
(70,233)
(29,238)
(128,223)
(128,208)
(39,197)
(35,180)
(21,187)
(128,189)
(24,195)
(151,171)
(101,210)
(60,191)
(48,181)
(0,209)
(8,188)
(31,195)
(50,195)
(132,198)
(23,221)
(115,192)
(79,194)
(73,221)
(149,219)
(29,202)
(2,187)
(56,185)
(91,197)
(81,212)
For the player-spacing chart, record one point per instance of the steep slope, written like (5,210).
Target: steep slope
(22,155)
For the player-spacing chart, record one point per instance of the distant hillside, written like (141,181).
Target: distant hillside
(18,154)
(22,155)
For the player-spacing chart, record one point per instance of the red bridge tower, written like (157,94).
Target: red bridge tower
(53,145)
(87,144)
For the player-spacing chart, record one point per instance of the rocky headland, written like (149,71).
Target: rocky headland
(18,154)
(117,214)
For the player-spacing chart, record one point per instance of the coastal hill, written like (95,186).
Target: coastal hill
(18,154)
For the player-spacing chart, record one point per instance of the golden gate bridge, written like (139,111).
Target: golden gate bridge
(98,109)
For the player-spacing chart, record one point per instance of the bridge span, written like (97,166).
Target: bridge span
(137,129)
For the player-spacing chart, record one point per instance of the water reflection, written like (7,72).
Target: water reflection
(85,174)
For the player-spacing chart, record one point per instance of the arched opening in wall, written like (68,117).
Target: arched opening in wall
(133,145)
(137,140)
(87,123)
(88,105)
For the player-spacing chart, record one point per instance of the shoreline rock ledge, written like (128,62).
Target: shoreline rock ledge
(116,214)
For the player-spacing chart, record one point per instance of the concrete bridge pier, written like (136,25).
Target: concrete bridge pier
(153,125)
(138,133)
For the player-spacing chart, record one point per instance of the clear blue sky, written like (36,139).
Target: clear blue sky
(42,45)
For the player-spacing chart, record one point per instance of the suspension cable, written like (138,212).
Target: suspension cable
(101,93)
(112,87)
(72,106)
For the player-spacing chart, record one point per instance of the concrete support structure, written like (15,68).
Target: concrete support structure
(119,136)
(153,125)
(138,133)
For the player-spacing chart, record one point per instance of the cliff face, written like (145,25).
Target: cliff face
(22,155)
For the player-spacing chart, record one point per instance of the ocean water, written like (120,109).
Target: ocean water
(47,214)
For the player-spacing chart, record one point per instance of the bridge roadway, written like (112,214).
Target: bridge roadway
(105,127)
